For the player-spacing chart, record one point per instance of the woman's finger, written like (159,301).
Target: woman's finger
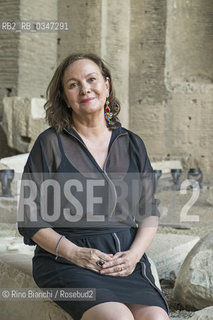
(104,256)
(118,254)
(99,258)
(118,271)
(114,262)
(114,269)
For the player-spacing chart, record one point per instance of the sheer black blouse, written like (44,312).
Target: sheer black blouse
(64,188)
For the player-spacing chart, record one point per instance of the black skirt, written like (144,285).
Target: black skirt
(137,288)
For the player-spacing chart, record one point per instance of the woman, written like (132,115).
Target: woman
(96,244)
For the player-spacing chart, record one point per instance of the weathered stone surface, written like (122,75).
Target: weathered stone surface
(8,229)
(168,252)
(27,58)
(8,210)
(26,71)
(23,121)
(3,166)
(8,206)
(16,162)
(115,25)
(204,314)
(182,67)
(210,197)
(194,284)
(166,166)
(171,90)
(179,318)
(15,272)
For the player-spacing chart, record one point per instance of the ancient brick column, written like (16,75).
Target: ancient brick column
(27,59)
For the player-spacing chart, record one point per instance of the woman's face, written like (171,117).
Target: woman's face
(85,88)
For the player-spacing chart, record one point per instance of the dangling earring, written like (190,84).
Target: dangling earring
(108,113)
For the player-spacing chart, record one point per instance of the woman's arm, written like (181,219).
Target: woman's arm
(144,236)
(48,239)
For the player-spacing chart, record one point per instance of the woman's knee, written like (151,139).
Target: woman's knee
(158,314)
(155,316)
(148,312)
(108,311)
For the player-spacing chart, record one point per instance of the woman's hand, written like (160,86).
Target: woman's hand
(122,264)
(87,258)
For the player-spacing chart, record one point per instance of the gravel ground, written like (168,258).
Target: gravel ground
(179,212)
(176,311)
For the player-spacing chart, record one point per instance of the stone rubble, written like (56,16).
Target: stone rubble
(204,314)
(169,251)
(194,283)
(210,197)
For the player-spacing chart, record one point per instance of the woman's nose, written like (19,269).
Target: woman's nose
(85,88)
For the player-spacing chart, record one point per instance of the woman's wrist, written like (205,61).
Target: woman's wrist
(58,246)
(73,253)
(136,254)
(68,250)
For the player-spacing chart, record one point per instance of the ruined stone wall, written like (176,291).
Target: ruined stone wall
(8,65)
(37,51)
(189,44)
(85,20)
(147,91)
(9,51)
(189,82)
(27,60)
(171,79)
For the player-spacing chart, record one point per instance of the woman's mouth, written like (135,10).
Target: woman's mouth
(87,100)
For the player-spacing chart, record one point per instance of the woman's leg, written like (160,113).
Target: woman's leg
(147,312)
(108,311)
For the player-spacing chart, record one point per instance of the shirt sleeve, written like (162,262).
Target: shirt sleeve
(148,205)
(36,170)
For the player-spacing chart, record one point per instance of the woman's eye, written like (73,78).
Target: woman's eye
(92,79)
(73,85)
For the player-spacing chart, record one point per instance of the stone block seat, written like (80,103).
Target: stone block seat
(16,273)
